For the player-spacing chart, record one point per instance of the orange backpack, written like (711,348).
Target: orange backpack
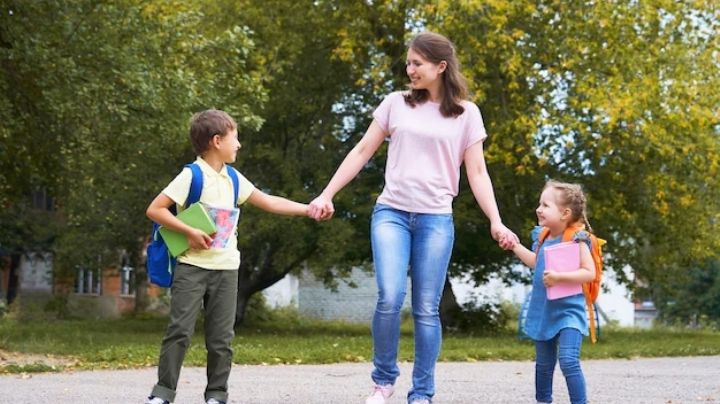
(591,289)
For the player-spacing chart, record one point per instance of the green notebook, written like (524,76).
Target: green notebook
(194,216)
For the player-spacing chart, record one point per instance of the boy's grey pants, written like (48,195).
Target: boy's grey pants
(193,288)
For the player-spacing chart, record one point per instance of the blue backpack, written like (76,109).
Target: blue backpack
(160,264)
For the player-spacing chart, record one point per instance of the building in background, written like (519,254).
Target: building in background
(357,304)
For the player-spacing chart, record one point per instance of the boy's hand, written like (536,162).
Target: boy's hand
(550,278)
(198,240)
(321,208)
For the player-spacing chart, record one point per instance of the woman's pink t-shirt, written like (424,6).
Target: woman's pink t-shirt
(426,151)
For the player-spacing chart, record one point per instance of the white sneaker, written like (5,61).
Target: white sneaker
(423,401)
(213,400)
(155,400)
(380,393)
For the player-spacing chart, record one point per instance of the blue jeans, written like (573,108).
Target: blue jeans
(424,243)
(569,341)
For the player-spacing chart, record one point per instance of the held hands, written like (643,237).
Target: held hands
(321,208)
(505,237)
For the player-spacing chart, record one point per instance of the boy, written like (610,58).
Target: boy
(206,275)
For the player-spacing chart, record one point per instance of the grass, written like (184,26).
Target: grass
(135,342)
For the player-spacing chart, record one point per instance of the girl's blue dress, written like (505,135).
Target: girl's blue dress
(545,318)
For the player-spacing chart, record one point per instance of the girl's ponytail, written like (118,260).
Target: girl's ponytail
(585,220)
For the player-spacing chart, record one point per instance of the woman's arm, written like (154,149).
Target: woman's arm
(482,189)
(321,208)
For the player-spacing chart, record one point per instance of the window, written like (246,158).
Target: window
(41,200)
(127,277)
(88,281)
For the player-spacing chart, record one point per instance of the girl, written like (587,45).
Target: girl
(557,326)
(432,130)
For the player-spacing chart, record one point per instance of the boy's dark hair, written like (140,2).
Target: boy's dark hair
(206,124)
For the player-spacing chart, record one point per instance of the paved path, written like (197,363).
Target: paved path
(662,380)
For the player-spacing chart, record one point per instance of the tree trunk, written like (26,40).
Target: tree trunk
(258,271)
(142,300)
(14,276)
(243,297)
(449,306)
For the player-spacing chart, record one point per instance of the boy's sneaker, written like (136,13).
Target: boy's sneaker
(423,401)
(214,401)
(380,393)
(156,400)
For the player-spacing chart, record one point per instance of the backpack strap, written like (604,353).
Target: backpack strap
(196,184)
(544,233)
(236,183)
(568,234)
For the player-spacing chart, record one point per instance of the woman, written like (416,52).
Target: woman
(432,130)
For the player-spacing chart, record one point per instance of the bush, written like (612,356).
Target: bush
(33,308)
(482,317)
(692,300)
(57,307)
(258,312)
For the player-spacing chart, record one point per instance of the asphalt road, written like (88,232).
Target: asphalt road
(661,380)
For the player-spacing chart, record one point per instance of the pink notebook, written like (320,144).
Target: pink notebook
(563,257)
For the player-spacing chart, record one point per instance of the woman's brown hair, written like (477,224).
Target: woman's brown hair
(435,48)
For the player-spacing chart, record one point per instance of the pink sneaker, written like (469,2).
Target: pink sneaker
(380,393)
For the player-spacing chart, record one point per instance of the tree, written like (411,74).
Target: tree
(325,67)
(101,96)
(539,74)
(299,144)
(692,300)
(615,95)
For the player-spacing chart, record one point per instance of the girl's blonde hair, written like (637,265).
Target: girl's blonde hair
(572,197)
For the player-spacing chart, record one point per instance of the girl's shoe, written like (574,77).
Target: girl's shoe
(380,393)
(420,401)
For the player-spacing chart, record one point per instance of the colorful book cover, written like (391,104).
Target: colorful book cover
(226,220)
(195,216)
(563,257)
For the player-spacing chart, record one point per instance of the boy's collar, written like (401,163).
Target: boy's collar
(207,167)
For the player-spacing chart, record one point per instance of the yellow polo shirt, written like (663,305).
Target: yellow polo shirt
(217,191)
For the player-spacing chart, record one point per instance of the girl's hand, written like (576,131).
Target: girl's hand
(550,278)
(198,240)
(507,243)
(321,208)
